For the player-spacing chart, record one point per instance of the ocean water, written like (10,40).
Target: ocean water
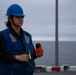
(67,53)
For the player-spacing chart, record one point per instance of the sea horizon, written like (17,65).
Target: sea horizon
(67,53)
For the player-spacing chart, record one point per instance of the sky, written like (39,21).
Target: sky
(40,18)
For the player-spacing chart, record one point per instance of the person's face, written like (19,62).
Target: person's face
(18,20)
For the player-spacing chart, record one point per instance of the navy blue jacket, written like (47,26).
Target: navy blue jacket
(14,47)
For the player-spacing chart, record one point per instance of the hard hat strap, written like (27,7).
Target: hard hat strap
(14,23)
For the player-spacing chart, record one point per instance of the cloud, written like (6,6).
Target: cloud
(40,17)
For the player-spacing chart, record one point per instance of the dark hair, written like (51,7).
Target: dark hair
(8,23)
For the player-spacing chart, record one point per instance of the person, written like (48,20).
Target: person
(17,52)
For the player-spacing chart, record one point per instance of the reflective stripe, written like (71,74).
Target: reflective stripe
(27,39)
(12,38)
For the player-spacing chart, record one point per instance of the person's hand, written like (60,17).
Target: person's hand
(22,57)
(39,50)
(39,54)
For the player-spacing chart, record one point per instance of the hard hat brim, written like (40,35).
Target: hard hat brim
(16,14)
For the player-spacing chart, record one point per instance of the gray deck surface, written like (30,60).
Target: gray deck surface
(56,73)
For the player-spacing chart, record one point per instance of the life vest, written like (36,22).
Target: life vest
(14,46)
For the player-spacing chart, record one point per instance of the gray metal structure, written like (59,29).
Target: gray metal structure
(56,35)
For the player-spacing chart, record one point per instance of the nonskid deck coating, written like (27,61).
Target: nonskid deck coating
(56,73)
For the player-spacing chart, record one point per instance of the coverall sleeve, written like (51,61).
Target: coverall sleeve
(4,56)
(34,53)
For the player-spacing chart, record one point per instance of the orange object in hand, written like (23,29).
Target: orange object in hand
(39,48)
